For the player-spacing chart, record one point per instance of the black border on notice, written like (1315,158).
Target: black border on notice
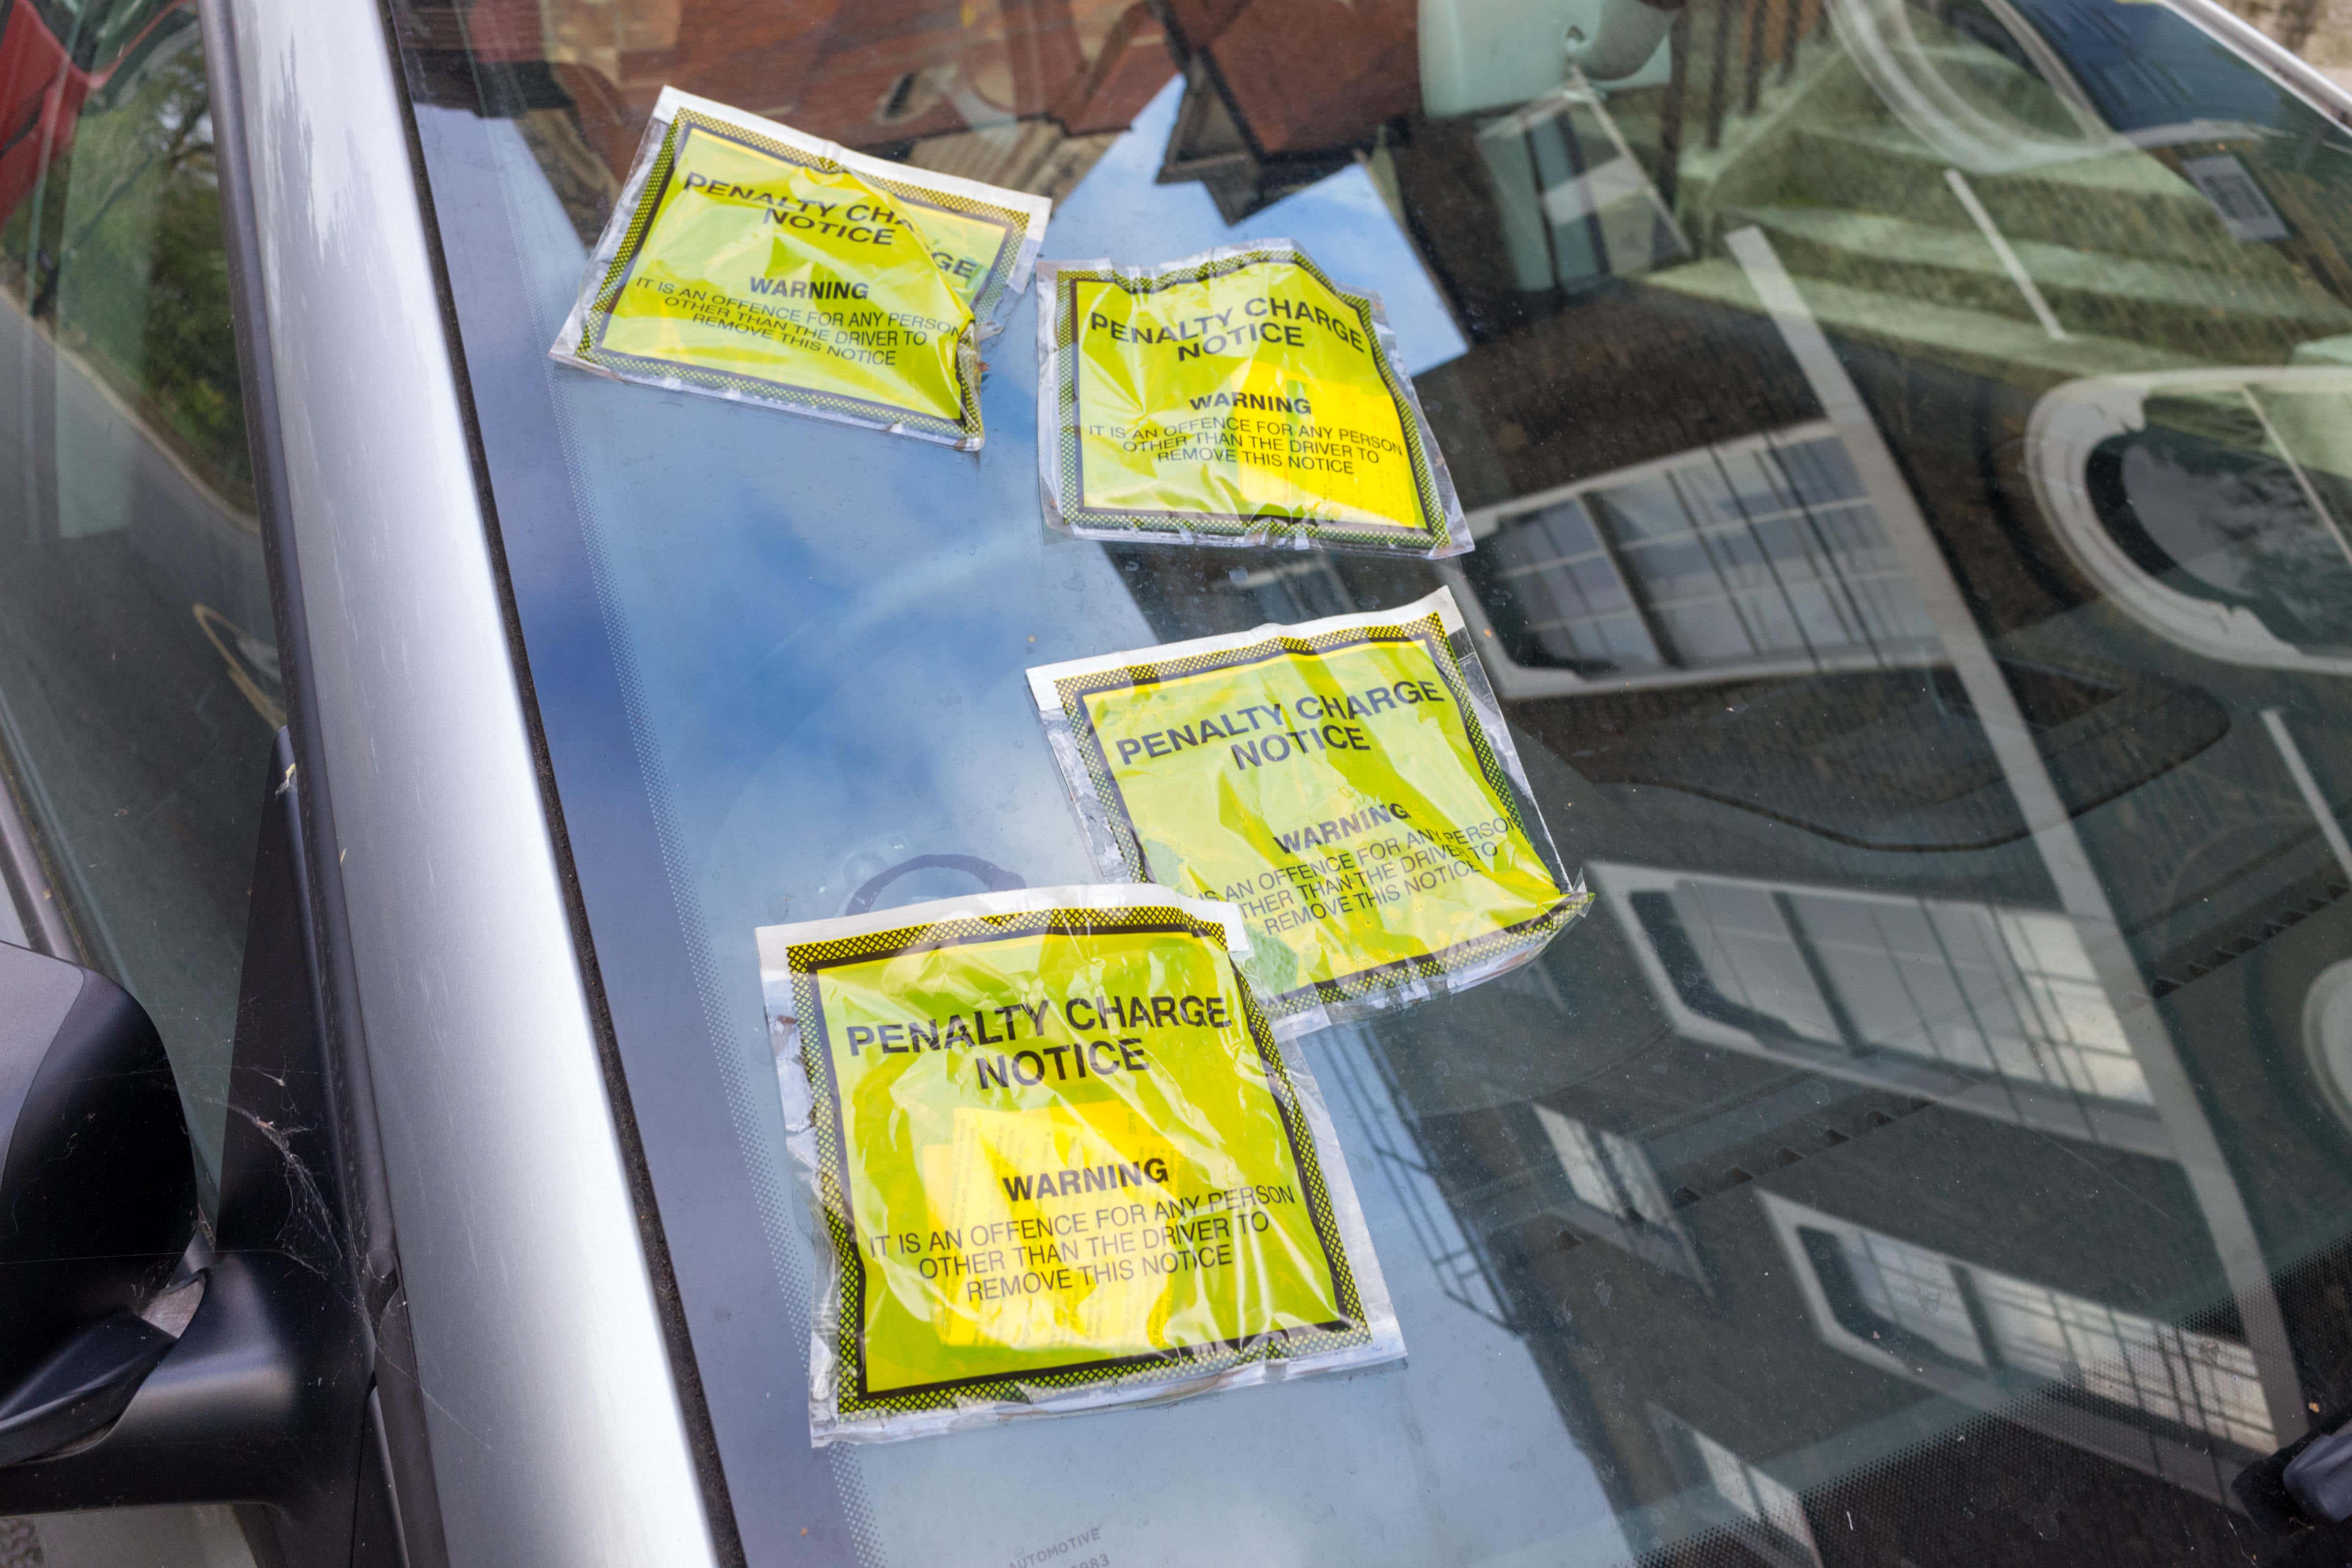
(1405,423)
(1083,687)
(854,1263)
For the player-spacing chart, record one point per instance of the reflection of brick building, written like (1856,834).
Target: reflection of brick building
(1812,1279)
(1814,1172)
(1307,76)
(897,76)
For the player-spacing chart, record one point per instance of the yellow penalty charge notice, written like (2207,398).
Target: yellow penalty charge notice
(1347,783)
(748,261)
(1238,397)
(1060,1163)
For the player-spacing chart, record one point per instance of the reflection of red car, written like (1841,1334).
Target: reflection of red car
(53,54)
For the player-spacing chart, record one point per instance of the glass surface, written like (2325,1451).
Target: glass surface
(138,672)
(205,1536)
(1908,452)
(139,684)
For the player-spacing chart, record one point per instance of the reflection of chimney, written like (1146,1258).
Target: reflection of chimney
(754,53)
(1309,76)
(1203,21)
(1043,44)
(623,44)
(1134,64)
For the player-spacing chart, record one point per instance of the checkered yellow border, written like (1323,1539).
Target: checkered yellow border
(803,960)
(1428,631)
(1426,535)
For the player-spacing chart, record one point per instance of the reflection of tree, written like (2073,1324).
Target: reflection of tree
(2280,556)
(118,249)
(1982,60)
(2299,567)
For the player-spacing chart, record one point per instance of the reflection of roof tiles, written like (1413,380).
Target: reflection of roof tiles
(1362,69)
(883,73)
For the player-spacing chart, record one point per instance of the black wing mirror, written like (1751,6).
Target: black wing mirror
(98,1203)
(146,1357)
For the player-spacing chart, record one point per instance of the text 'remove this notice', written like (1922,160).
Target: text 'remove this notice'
(1239,397)
(1346,784)
(1057,1149)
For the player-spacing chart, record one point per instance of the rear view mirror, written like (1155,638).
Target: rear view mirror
(98,1201)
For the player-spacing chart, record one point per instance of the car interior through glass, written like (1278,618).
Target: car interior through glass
(1905,448)
(1904,444)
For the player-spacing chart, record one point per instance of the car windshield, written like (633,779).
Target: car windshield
(1905,453)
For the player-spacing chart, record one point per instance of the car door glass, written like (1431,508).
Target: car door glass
(139,687)
(138,671)
(204,1537)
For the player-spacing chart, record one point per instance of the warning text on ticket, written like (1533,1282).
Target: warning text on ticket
(1062,1150)
(790,278)
(1340,795)
(1252,395)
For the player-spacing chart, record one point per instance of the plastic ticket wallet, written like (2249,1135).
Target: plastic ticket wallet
(748,261)
(1236,397)
(1060,1162)
(1347,783)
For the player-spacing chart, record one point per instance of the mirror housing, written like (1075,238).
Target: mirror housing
(251,1376)
(99,1188)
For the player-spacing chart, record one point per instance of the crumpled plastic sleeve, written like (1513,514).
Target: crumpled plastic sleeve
(1237,397)
(747,261)
(1347,783)
(1059,1163)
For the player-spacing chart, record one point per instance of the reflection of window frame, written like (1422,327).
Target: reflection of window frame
(2068,426)
(1570,218)
(2072,1408)
(1454,1252)
(1877,36)
(2050,1107)
(1613,1194)
(1765,1514)
(1521,681)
